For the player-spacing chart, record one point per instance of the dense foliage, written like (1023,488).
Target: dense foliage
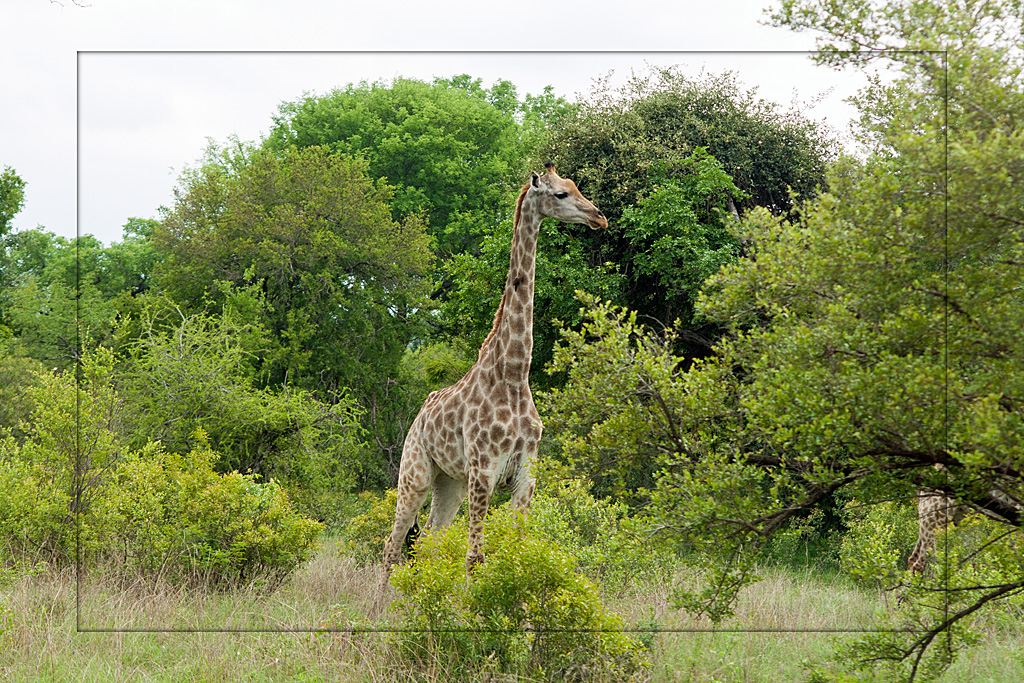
(525,612)
(624,144)
(873,346)
(774,342)
(452,149)
(668,159)
(12,197)
(73,491)
(343,287)
(196,372)
(340,277)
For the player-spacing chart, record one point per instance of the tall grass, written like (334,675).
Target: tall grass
(782,624)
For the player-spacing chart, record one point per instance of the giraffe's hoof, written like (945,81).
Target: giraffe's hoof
(472,561)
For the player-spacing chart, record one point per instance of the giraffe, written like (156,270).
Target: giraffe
(936,509)
(483,431)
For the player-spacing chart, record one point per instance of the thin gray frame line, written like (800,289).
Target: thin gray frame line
(477,52)
(356,631)
(78,563)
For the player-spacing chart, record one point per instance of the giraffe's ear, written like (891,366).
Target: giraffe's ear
(534,179)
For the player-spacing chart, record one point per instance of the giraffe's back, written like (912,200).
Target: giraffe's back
(497,422)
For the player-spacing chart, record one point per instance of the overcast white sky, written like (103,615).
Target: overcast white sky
(102,106)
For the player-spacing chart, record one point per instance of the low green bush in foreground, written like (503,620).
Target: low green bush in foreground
(71,490)
(525,611)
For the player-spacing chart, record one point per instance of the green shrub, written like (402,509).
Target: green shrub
(878,541)
(810,540)
(72,485)
(526,611)
(69,449)
(598,534)
(199,371)
(174,515)
(35,519)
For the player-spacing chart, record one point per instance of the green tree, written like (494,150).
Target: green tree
(12,198)
(874,335)
(62,295)
(344,286)
(620,145)
(199,372)
(452,149)
(667,159)
(127,266)
(677,236)
(614,419)
(619,142)
(55,304)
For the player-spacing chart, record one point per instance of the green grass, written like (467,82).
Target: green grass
(40,641)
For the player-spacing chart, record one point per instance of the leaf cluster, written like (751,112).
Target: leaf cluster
(524,612)
(12,198)
(451,148)
(344,288)
(199,372)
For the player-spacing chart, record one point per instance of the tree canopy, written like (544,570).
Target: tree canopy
(668,159)
(452,149)
(622,144)
(767,329)
(12,197)
(342,281)
(873,342)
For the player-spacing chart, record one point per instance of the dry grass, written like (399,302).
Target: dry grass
(329,592)
(781,601)
(785,623)
(40,640)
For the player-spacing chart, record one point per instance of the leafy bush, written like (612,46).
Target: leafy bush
(526,611)
(598,534)
(143,512)
(35,522)
(874,550)
(811,540)
(68,452)
(364,536)
(201,370)
(976,556)
(174,515)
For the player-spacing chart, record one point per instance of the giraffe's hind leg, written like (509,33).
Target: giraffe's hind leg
(414,479)
(931,514)
(522,488)
(448,496)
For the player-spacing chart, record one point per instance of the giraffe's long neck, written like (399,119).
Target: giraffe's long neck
(509,348)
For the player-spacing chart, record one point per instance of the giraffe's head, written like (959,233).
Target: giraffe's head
(559,198)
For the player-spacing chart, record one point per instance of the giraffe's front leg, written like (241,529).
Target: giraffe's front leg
(480,488)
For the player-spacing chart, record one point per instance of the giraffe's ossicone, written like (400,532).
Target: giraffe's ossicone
(483,431)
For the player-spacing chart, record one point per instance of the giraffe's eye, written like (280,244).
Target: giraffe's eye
(561,195)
